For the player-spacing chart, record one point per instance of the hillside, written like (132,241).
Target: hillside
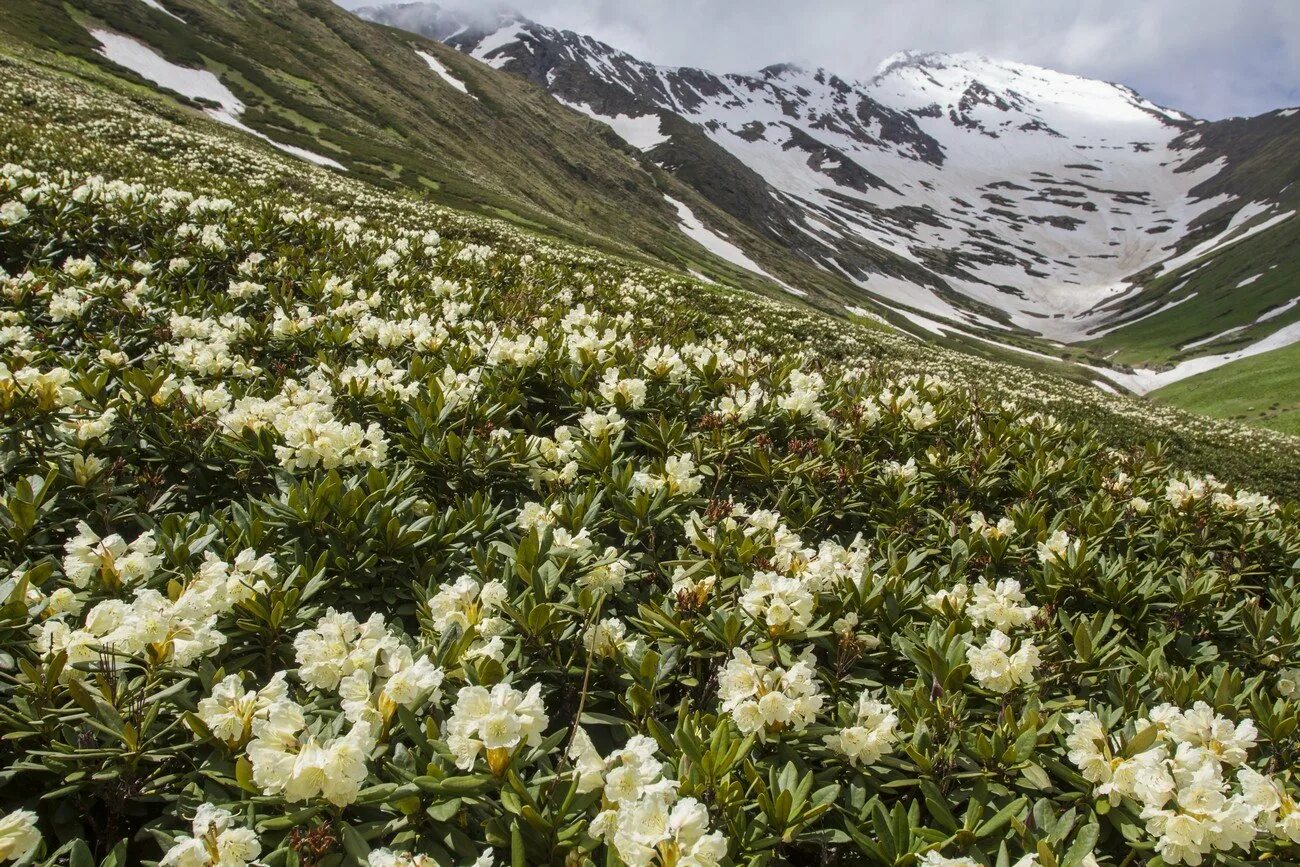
(1263,389)
(341,528)
(965,228)
(391,109)
(970,196)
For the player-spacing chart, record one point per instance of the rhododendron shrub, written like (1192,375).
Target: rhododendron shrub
(340,529)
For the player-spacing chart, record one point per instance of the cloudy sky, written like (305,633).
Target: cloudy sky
(1212,58)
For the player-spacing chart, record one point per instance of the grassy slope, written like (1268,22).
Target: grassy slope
(1262,390)
(1152,604)
(315,76)
(1218,305)
(1261,167)
(354,90)
(1263,460)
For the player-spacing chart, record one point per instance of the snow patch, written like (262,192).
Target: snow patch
(943,329)
(1263,317)
(1250,280)
(147,63)
(1276,311)
(193,83)
(641,132)
(1142,381)
(1161,309)
(445,74)
(154,4)
(1213,338)
(1228,236)
(493,41)
(720,246)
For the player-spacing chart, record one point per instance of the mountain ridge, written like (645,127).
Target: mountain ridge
(1109,185)
(786,182)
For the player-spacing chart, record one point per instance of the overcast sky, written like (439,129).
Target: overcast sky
(1211,58)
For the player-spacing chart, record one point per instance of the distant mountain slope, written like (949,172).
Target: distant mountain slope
(392,108)
(978,192)
(976,204)
(66,117)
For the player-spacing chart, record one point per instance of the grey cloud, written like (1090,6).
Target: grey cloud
(1211,58)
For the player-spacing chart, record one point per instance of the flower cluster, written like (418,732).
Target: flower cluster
(1184,780)
(495,722)
(997,667)
(215,840)
(335,526)
(642,816)
(765,698)
(870,734)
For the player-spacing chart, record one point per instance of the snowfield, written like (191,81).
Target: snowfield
(720,246)
(444,73)
(193,83)
(641,133)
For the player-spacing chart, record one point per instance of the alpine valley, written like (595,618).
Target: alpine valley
(963,195)
(1006,210)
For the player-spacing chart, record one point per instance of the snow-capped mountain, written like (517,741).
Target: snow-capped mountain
(956,188)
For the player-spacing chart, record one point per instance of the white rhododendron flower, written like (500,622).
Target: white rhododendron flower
(337,646)
(216,841)
(955,596)
(1183,781)
(678,477)
(996,667)
(871,733)
(628,391)
(999,606)
(765,698)
(495,722)
(182,629)
(781,603)
(400,680)
(1202,728)
(388,858)
(109,560)
(606,639)
(535,516)
(607,576)
(12,213)
(230,710)
(599,426)
(803,393)
(464,604)
(934,859)
(1057,548)
(643,818)
(1002,529)
(298,766)
(675,831)
(19,835)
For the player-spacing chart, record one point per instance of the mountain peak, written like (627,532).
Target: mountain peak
(782,70)
(440,22)
(924,59)
(939,78)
